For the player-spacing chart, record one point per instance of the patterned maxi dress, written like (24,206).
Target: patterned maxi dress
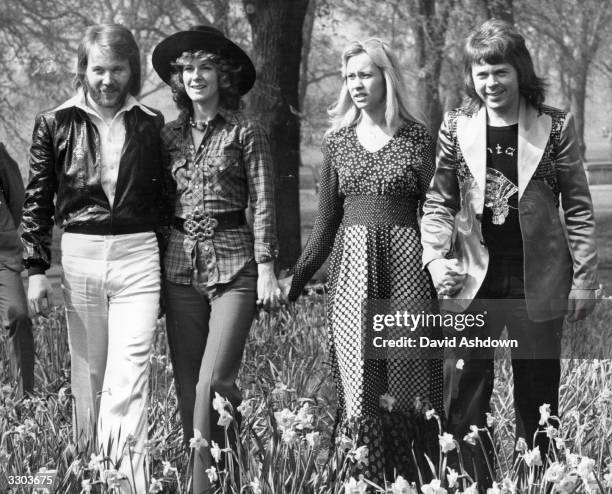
(368,208)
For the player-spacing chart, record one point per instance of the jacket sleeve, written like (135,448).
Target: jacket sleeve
(577,208)
(12,185)
(38,206)
(323,234)
(443,199)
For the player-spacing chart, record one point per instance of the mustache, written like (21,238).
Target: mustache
(107,87)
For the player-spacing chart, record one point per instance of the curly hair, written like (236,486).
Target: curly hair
(228,72)
(494,42)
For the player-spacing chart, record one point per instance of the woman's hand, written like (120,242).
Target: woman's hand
(285,285)
(269,294)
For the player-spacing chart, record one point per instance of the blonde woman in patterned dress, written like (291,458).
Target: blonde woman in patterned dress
(378,162)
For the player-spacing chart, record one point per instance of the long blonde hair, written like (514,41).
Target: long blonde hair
(344,112)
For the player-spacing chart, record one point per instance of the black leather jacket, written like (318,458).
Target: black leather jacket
(65,163)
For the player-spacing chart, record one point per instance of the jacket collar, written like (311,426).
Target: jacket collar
(533,133)
(79,100)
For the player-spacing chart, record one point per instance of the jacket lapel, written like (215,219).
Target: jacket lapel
(123,174)
(533,134)
(472,139)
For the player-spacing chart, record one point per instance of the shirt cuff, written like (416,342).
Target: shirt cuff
(265,253)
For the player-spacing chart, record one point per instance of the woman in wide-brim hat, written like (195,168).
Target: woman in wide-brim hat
(216,266)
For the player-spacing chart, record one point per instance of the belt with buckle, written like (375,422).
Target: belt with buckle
(200,226)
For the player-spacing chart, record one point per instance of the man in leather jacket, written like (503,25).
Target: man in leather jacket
(13,304)
(493,240)
(98,157)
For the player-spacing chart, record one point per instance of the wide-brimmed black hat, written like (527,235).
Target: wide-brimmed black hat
(205,38)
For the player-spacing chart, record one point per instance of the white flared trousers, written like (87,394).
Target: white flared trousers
(111,287)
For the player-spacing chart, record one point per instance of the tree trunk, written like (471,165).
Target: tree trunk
(309,21)
(277,46)
(578,98)
(429,37)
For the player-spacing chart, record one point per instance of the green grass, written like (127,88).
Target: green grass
(285,367)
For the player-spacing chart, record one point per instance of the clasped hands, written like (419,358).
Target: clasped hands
(270,292)
(447,276)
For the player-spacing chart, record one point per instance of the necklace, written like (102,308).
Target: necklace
(198,124)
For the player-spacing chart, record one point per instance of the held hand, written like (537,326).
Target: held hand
(580,304)
(447,276)
(285,285)
(269,295)
(40,294)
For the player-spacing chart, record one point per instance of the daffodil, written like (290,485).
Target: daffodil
(494,489)
(313,439)
(355,486)
(532,457)
(359,455)
(554,473)
(452,477)
(212,474)
(215,451)
(433,487)
(219,403)
(401,486)
(246,408)
(285,418)
(387,402)
(156,486)
(447,442)
(521,445)
(544,413)
(472,436)
(197,441)
(225,419)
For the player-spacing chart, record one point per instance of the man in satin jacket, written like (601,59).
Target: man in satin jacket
(95,165)
(492,230)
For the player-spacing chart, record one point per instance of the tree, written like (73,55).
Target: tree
(276,27)
(38,46)
(430,27)
(576,30)
(498,9)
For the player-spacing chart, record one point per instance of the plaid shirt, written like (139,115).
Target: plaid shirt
(231,168)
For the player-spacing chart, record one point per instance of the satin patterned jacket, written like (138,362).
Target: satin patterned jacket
(559,249)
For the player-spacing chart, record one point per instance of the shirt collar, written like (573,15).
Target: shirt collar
(222,113)
(79,100)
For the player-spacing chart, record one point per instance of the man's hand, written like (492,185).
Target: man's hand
(269,295)
(580,304)
(40,294)
(447,276)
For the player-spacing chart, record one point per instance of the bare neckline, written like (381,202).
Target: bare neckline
(392,138)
